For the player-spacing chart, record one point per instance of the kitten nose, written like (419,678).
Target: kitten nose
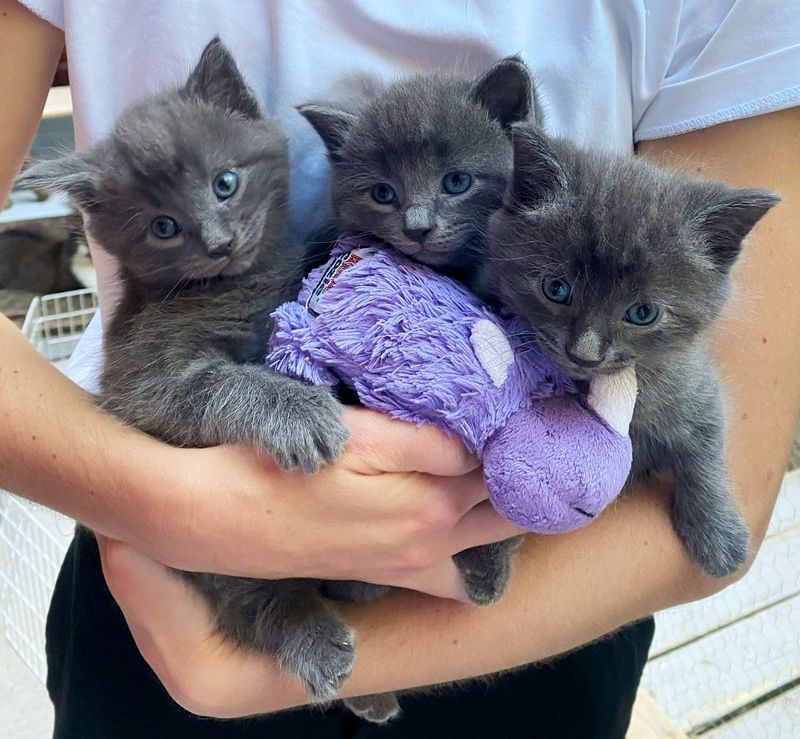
(221,250)
(416,234)
(587,349)
(581,361)
(418,222)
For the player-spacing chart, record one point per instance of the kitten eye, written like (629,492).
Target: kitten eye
(225,184)
(642,314)
(383,193)
(556,289)
(164,227)
(456,182)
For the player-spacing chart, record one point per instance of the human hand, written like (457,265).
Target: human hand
(392,510)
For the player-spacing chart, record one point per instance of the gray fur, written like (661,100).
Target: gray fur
(184,350)
(623,231)
(410,134)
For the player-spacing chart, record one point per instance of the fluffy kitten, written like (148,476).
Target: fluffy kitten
(189,193)
(616,263)
(421,165)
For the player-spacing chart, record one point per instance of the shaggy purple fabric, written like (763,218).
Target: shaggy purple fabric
(402,337)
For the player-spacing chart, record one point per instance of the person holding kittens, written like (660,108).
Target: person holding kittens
(686,82)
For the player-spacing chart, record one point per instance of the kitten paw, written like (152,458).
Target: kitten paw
(378,708)
(306,430)
(322,653)
(721,547)
(486,570)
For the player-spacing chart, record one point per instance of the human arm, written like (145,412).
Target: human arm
(184,506)
(567,589)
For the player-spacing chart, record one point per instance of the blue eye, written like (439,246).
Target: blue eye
(383,193)
(642,314)
(164,227)
(456,182)
(556,289)
(225,184)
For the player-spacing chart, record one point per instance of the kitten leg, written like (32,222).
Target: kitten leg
(704,512)
(378,708)
(287,619)
(486,569)
(353,591)
(705,515)
(299,425)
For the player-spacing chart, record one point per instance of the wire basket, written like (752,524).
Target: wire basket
(33,539)
(55,323)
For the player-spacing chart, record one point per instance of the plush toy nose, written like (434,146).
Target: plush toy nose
(555,467)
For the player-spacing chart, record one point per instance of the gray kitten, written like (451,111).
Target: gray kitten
(617,263)
(421,165)
(189,193)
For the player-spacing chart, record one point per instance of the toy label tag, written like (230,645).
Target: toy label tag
(334,271)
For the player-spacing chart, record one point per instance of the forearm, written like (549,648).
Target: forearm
(29,51)
(59,449)
(566,591)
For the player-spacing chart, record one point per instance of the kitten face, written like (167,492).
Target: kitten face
(612,260)
(425,161)
(191,184)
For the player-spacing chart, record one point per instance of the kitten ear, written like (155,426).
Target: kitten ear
(216,80)
(332,124)
(506,91)
(537,173)
(72,174)
(729,217)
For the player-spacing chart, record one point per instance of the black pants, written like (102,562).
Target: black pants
(102,688)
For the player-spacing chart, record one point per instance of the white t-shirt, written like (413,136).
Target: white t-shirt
(608,73)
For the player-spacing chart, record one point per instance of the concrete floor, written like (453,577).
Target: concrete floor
(25,709)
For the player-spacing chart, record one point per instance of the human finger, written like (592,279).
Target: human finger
(385,444)
(481,525)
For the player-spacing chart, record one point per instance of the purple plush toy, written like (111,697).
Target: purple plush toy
(419,346)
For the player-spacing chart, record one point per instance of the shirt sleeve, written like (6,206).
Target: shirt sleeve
(731,59)
(50,10)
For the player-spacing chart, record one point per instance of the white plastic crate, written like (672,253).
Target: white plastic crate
(55,323)
(33,539)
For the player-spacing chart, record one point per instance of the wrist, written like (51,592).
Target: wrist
(203,511)
(147,477)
